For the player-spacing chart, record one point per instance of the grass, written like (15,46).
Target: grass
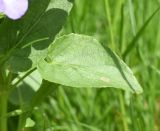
(121,25)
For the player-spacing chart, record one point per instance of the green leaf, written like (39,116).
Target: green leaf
(36,31)
(81,61)
(29,122)
(18,30)
(22,94)
(7,35)
(26,89)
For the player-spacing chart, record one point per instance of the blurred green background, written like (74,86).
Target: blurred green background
(115,23)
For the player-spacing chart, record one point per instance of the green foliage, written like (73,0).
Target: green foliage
(39,42)
(36,31)
(80,61)
(29,123)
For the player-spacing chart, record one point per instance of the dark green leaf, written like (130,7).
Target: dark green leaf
(37,31)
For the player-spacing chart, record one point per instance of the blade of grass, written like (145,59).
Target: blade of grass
(108,16)
(121,29)
(123,111)
(140,32)
(69,106)
(132,17)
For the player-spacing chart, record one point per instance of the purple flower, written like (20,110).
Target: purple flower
(14,9)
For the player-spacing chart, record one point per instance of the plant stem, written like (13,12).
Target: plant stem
(108,16)
(3,110)
(123,111)
(45,89)
(21,79)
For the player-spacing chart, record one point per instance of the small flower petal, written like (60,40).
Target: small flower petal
(14,9)
(1,6)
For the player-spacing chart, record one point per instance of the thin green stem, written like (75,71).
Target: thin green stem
(123,111)
(132,17)
(3,100)
(108,15)
(121,29)
(3,110)
(21,79)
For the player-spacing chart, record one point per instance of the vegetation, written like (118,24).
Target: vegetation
(130,28)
